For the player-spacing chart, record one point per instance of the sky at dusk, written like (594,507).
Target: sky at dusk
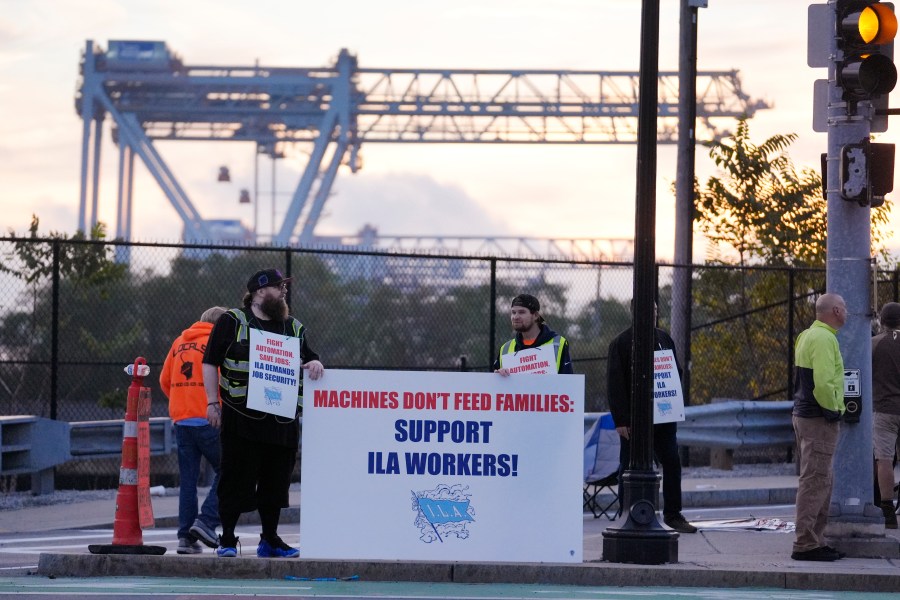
(522,190)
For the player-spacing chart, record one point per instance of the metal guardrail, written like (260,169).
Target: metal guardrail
(727,424)
(737,423)
(103,439)
(732,424)
(33,445)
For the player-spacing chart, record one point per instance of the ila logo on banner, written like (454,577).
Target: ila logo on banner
(442,512)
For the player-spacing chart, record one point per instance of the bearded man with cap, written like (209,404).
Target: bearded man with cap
(886,406)
(259,449)
(532,332)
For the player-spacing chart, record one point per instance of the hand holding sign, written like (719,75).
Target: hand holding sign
(315,369)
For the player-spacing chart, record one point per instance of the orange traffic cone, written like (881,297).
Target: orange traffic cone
(127,534)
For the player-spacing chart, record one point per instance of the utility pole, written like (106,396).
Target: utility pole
(859,36)
(684,187)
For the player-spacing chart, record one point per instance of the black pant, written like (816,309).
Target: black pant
(254,474)
(665,449)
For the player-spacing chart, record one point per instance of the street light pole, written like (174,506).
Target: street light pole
(641,539)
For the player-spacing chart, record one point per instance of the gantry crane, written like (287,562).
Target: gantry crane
(151,94)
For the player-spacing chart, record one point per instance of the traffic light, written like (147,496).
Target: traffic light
(867,173)
(865,34)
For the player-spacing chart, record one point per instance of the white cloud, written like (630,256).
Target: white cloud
(406,203)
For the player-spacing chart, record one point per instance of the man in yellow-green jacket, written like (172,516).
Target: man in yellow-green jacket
(818,406)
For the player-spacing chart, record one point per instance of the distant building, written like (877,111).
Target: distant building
(222,231)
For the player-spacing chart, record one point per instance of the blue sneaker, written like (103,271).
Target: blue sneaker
(275,548)
(226,549)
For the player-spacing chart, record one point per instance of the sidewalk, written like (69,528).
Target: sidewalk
(713,492)
(715,557)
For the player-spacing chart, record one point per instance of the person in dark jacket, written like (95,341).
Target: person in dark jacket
(665,442)
(259,449)
(886,406)
(531,332)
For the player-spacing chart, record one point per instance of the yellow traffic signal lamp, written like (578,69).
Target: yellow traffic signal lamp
(875,23)
(866,32)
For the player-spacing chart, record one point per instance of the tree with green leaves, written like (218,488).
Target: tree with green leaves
(767,213)
(87,271)
(764,209)
(88,263)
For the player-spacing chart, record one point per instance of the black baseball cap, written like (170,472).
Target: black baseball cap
(527,301)
(266,278)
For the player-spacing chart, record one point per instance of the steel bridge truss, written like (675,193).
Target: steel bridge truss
(336,109)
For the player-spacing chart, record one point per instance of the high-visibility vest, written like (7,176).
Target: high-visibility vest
(235,370)
(558,341)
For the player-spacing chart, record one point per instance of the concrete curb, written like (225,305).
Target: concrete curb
(718,498)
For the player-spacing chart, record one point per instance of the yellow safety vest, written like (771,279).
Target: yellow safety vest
(558,341)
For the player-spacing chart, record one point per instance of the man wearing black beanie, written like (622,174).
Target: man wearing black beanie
(531,332)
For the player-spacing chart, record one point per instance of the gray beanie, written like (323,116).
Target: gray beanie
(890,315)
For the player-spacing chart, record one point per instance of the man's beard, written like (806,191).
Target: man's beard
(522,328)
(274,308)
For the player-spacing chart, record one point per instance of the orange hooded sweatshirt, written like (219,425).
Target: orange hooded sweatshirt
(181,378)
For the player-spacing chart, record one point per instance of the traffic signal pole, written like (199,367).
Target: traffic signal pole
(848,274)
(856,524)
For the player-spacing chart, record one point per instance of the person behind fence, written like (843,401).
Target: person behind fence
(532,333)
(665,441)
(181,380)
(259,447)
(886,406)
(818,406)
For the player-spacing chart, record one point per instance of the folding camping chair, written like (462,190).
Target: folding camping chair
(601,469)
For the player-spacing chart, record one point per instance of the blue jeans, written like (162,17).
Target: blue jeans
(194,443)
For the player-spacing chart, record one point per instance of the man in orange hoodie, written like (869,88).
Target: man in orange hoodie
(181,380)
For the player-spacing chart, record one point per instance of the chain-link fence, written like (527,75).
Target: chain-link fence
(74,313)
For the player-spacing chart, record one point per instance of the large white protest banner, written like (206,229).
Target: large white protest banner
(442,466)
